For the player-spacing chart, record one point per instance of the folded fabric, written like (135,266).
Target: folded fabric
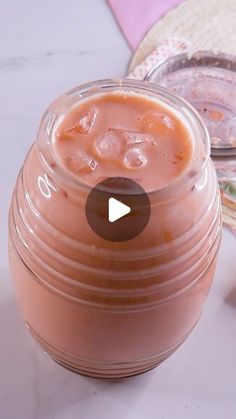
(135,17)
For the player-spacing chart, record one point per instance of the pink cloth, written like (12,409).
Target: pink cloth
(136,17)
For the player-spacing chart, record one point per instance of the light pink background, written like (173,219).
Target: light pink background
(135,17)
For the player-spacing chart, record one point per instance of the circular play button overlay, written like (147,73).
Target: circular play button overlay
(117,209)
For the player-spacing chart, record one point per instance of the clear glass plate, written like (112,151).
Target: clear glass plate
(208,82)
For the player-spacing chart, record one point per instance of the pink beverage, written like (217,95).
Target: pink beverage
(136,138)
(102,308)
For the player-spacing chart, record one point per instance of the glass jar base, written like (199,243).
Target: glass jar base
(100,370)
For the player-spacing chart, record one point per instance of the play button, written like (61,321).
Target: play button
(117,209)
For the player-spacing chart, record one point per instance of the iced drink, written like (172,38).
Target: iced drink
(102,308)
(122,134)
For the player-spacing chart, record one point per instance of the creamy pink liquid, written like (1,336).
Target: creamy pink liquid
(102,308)
(126,135)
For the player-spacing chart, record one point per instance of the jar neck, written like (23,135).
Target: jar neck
(56,111)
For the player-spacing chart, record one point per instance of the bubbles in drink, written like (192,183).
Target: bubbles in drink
(79,162)
(134,158)
(83,126)
(111,144)
(167,121)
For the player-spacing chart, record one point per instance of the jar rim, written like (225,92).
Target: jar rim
(64,102)
(221,61)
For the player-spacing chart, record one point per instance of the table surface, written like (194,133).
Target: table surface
(46,48)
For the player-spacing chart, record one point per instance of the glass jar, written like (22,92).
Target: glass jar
(109,309)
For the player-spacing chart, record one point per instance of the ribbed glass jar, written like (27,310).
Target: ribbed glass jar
(101,308)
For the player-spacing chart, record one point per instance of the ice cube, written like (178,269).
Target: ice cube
(135,137)
(79,161)
(84,126)
(87,122)
(111,144)
(157,122)
(134,158)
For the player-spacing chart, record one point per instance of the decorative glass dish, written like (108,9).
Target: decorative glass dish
(208,81)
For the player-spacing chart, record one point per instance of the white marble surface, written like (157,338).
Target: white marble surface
(47,47)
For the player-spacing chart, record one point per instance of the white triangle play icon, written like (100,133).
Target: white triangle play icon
(117,210)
